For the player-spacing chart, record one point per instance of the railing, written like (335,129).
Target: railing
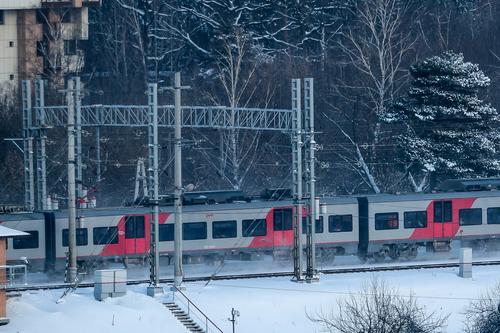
(192,309)
(11,275)
(70,2)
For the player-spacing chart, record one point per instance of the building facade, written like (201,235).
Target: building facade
(42,38)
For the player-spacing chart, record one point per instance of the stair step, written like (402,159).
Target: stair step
(184,318)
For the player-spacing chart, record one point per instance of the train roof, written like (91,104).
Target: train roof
(430,196)
(338,200)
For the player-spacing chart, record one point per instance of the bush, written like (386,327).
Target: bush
(483,315)
(379,309)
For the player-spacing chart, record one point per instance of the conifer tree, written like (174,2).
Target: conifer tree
(449,131)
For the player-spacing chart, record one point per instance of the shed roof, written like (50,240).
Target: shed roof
(8,232)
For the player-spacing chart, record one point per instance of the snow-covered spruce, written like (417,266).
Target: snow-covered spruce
(449,130)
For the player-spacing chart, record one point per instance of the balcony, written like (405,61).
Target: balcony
(70,3)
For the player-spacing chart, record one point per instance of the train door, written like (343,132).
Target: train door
(443,219)
(135,232)
(282,227)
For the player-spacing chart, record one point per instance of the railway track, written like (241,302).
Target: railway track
(367,269)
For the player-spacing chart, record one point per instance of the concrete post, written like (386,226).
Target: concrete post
(178,273)
(465,269)
(72,269)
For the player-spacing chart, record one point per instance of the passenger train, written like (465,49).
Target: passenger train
(373,227)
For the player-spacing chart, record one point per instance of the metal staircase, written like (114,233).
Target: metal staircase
(184,318)
(189,314)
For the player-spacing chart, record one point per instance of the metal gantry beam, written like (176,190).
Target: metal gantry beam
(192,116)
(297,179)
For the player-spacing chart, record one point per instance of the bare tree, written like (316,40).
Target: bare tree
(379,309)
(483,315)
(58,49)
(374,50)
(236,71)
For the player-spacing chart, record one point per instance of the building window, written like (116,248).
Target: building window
(224,229)
(40,17)
(442,211)
(66,17)
(2,17)
(415,219)
(70,47)
(26,242)
(11,43)
(339,223)
(282,219)
(134,227)
(81,237)
(40,48)
(472,216)
(12,77)
(254,228)
(105,235)
(385,221)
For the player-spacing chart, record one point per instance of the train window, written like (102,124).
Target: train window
(318,226)
(166,232)
(134,227)
(224,229)
(82,238)
(442,211)
(385,221)
(105,235)
(472,216)
(282,219)
(194,230)
(26,242)
(254,228)
(416,219)
(493,215)
(339,223)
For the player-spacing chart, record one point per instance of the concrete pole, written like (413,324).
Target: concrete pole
(72,269)
(98,152)
(178,274)
(78,132)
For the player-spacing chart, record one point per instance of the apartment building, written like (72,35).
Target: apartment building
(42,37)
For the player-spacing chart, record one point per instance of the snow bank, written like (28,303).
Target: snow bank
(81,313)
(278,305)
(266,305)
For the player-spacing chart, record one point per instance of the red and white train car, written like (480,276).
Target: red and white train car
(376,226)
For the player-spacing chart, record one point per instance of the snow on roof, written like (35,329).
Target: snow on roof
(8,232)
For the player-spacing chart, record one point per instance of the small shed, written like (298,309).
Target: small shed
(4,234)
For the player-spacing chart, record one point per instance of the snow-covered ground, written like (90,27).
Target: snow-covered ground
(265,305)
(79,312)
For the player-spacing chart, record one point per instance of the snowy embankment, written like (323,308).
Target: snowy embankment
(79,312)
(266,305)
(278,305)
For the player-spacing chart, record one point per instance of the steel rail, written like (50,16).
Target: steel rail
(346,270)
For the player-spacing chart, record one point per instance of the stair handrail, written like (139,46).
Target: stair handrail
(207,320)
